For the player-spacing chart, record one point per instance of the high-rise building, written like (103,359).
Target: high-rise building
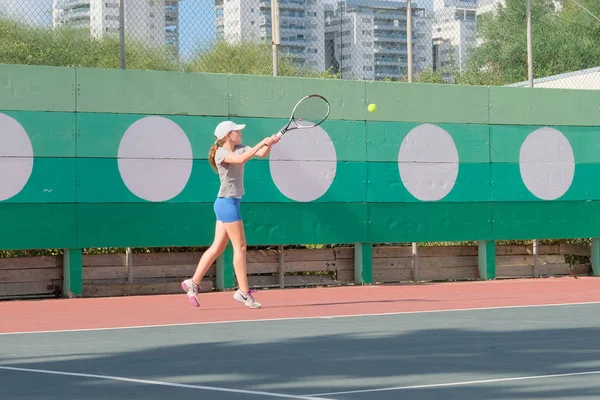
(367,39)
(172,23)
(301,27)
(485,6)
(454,33)
(152,22)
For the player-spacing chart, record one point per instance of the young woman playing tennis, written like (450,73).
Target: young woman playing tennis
(227,157)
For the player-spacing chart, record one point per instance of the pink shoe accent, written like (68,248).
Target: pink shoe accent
(192,299)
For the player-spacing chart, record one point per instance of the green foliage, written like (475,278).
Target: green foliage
(68,47)
(248,58)
(562,41)
(22,44)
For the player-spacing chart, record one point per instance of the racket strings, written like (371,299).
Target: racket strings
(311,110)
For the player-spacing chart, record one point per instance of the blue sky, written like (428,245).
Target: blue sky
(197,24)
(36,12)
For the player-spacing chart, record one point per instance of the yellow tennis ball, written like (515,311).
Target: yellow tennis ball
(372,108)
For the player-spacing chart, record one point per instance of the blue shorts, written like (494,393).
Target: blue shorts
(227,209)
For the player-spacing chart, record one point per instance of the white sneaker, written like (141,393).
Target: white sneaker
(192,291)
(246,298)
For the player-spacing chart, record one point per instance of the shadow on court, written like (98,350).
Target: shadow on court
(321,355)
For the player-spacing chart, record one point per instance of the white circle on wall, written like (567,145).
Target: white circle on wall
(303,164)
(155,158)
(428,162)
(16,157)
(547,163)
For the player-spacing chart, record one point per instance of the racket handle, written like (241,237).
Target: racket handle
(279,134)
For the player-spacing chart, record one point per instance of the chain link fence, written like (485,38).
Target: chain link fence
(480,42)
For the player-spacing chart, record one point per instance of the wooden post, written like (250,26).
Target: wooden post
(72,273)
(129,265)
(281,269)
(415,263)
(595,257)
(487,259)
(536,270)
(363,263)
(225,271)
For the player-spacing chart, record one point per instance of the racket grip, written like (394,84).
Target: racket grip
(279,134)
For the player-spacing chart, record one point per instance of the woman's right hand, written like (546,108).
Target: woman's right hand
(268,141)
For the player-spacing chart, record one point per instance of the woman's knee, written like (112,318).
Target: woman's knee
(219,248)
(240,247)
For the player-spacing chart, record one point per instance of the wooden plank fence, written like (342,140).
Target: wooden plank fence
(161,273)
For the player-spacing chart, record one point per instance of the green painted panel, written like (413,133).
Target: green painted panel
(523,106)
(385,138)
(385,185)
(506,141)
(52,134)
(275,97)
(37,88)
(99,180)
(99,135)
(148,224)
(52,181)
(424,222)
(37,226)
(545,220)
(415,102)
(151,92)
(508,184)
(348,137)
(306,223)
(188,224)
(348,186)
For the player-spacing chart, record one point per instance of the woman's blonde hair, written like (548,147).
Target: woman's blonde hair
(213,151)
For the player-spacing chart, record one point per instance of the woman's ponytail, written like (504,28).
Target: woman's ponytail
(213,151)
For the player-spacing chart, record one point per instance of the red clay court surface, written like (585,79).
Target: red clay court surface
(121,312)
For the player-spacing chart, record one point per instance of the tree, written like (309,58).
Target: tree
(560,42)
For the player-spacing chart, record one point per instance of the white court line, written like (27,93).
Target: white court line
(302,318)
(439,385)
(159,383)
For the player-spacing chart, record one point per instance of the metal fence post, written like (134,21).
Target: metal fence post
(122,32)
(529,46)
(275,34)
(409,39)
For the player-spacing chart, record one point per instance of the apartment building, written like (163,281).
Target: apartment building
(302,31)
(454,33)
(367,39)
(152,22)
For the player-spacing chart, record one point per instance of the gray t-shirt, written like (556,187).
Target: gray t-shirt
(231,175)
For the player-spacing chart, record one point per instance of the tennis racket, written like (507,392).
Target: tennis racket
(309,112)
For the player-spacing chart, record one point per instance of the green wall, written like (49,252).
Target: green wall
(75,197)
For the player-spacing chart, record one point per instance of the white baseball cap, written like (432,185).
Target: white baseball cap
(225,127)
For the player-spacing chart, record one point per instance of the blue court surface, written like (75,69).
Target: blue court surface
(539,352)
